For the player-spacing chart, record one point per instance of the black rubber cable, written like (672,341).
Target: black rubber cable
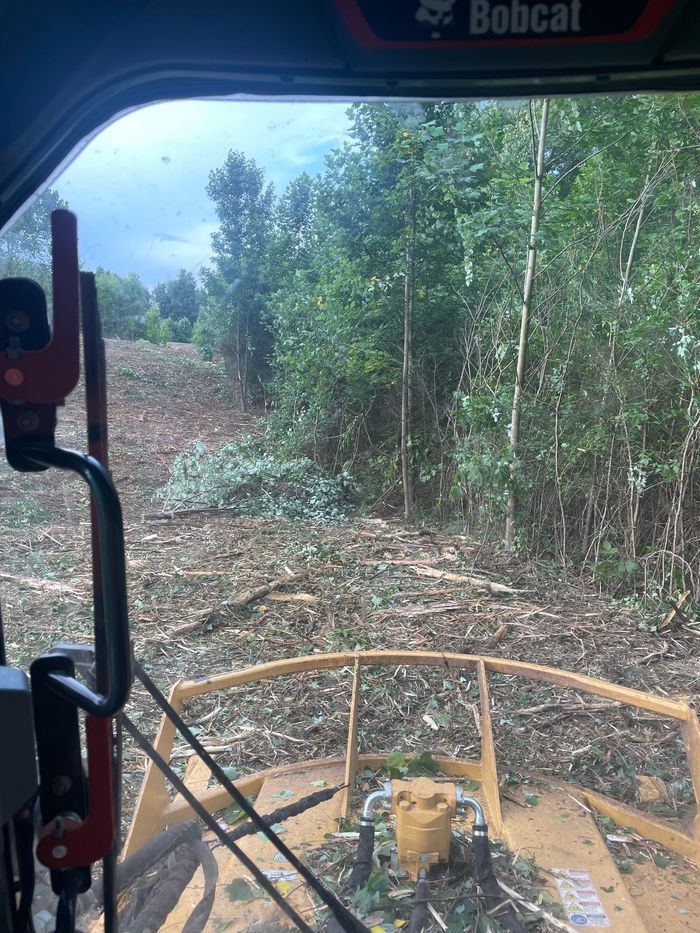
(197,920)
(337,908)
(187,838)
(488,883)
(419,906)
(162,900)
(362,866)
(212,824)
(157,850)
(285,813)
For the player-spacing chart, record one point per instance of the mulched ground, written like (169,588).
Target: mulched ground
(369,583)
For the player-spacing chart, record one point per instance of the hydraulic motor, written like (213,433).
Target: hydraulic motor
(424,810)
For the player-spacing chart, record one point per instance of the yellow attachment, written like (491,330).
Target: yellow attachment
(424,810)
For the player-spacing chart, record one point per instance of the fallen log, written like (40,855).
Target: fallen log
(245,597)
(425,569)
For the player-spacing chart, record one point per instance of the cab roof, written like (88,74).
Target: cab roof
(69,67)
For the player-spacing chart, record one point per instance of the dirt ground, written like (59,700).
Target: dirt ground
(368,583)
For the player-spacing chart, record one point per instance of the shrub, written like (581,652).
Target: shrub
(257,483)
(182,330)
(156,329)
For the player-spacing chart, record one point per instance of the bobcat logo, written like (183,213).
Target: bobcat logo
(436,13)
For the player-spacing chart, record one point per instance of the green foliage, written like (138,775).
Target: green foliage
(373,893)
(182,330)
(253,480)
(306,301)
(203,338)
(179,298)
(124,303)
(240,890)
(26,513)
(155,328)
(25,249)
(398,765)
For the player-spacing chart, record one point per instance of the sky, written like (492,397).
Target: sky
(138,188)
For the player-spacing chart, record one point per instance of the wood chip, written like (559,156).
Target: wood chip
(550,918)
(292,597)
(49,586)
(478,582)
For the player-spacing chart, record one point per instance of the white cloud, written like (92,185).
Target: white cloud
(139,187)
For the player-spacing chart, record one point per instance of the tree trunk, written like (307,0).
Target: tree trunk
(525,323)
(409,301)
(242,361)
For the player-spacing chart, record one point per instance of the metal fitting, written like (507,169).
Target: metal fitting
(375,799)
(464,803)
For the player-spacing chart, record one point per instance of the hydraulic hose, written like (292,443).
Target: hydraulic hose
(362,866)
(488,883)
(420,915)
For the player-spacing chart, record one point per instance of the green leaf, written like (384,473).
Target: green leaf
(396,765)
(278,828)
(660,860)
(423,764)
(240,890)
(233,813)
(531,799)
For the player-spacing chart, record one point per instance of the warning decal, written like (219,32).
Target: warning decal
(279,874)
(580,898)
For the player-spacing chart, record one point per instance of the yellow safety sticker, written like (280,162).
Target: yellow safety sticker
(580,898)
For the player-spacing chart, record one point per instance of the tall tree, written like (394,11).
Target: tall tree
(234,317)
(178,297)
(124,303)
(525,311)
(25,249)
(409,303)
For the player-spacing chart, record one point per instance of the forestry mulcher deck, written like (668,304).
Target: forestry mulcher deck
(425,816)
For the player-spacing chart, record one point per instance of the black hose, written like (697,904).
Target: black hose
(420,916)
(498,905)
(149,917)
(158,849)
(362,866)
(188,836)
(361,869)
(286,812)
(199,917)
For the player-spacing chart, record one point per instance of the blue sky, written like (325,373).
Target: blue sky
(138,188)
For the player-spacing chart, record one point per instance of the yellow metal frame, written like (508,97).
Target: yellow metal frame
(155,810)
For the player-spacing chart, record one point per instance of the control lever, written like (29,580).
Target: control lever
(47,373)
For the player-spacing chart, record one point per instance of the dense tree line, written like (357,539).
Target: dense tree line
(483,311)
(129,309)
(471,335)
